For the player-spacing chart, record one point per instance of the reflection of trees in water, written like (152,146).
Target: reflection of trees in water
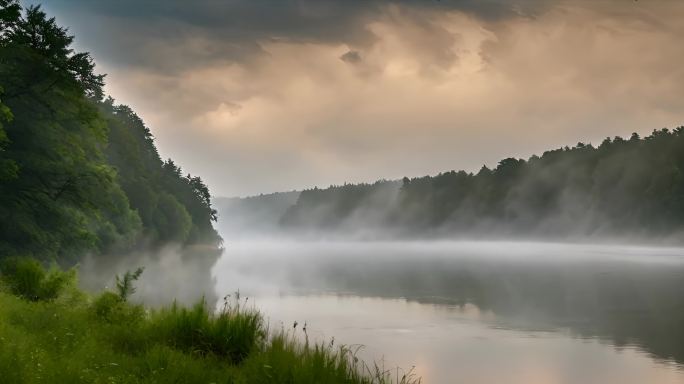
(627,304)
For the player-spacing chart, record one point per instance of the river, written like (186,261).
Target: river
(477,312)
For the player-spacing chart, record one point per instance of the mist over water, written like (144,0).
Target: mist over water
(457,311)
(172,273)
(477,312)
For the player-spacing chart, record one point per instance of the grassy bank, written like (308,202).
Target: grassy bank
(51,332)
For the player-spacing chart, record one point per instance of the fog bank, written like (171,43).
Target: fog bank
(172,273)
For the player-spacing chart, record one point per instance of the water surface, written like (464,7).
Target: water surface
(478,312)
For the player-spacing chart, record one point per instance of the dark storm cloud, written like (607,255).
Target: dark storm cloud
(351,57)
(150,33)
(327,19)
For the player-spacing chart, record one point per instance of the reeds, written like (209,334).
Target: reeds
(287,360)
(233,333)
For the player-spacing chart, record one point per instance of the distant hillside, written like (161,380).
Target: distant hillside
(622,187)
(244,217)
(347,208)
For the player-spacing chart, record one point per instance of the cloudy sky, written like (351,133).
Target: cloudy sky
(261,96)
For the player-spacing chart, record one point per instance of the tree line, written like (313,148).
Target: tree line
(622,186)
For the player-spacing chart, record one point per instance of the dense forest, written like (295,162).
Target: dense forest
(80,174)
(622,186)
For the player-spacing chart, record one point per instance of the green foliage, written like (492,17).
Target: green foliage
(27,278)
(287,361)
(8,168)
(171,221)
(109,307)
(173,207)
(106,304)
(124,285)
(77,173)
(232,334)
(61,195)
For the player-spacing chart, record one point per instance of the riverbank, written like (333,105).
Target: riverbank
(52,332)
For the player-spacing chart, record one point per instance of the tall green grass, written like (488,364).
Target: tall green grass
(71,337)
(232,334)
(287,360)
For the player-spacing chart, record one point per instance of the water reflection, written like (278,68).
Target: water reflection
(539,312)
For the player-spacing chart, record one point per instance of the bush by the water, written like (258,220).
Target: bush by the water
(27,278)
(50,335)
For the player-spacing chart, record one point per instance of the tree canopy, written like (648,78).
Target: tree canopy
(79,174)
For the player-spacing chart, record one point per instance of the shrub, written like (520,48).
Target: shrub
(109,307)
(28,279)
(124,285)
(105,304)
